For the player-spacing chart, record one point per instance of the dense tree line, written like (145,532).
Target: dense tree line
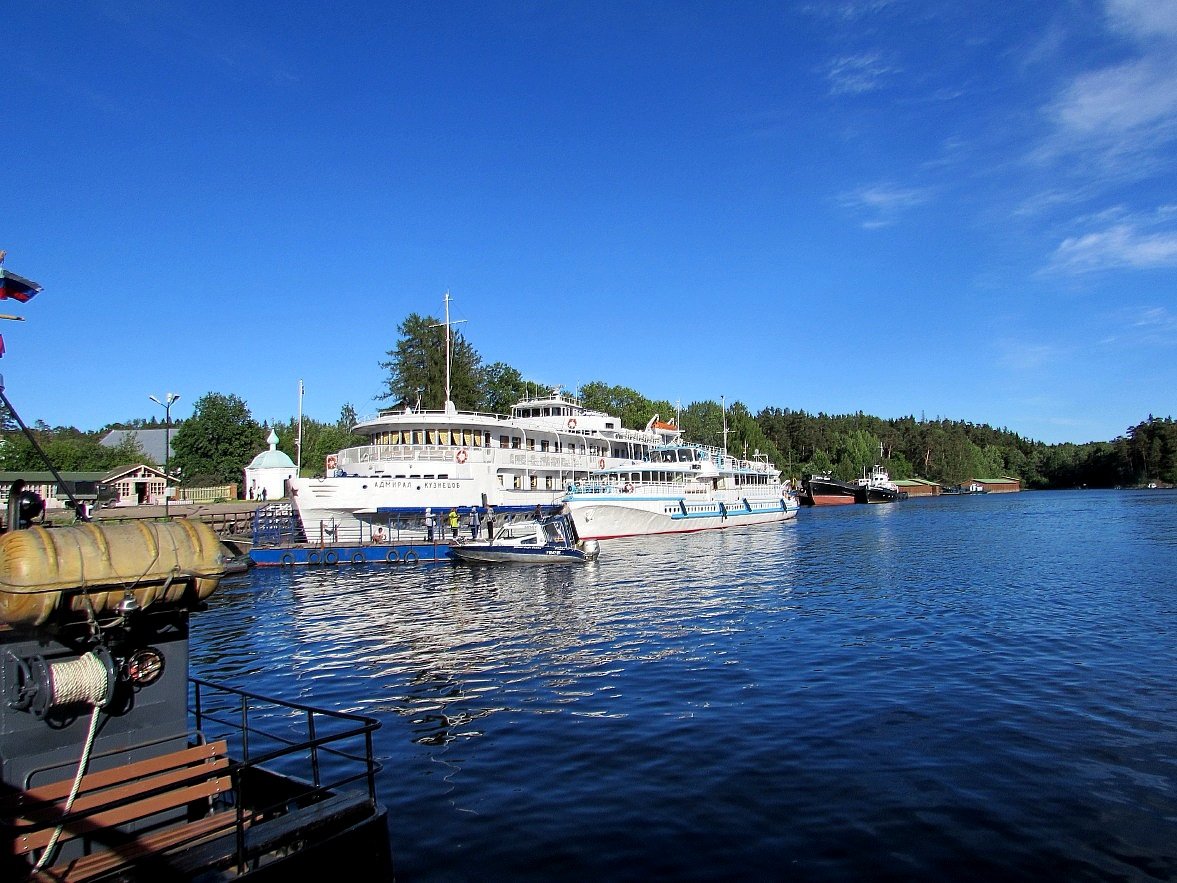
(221,437)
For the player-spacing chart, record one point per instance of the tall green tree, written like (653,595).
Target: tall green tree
(502,387)
(69,450)
(217,442)
(417,367)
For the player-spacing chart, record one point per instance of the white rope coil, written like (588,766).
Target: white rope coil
(84,679)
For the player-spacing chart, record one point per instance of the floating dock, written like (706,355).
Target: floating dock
(333,555)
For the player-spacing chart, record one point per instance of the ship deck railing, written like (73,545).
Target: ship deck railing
(260,776)
(670,488)
(324,750)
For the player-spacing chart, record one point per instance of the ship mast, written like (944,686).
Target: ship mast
(449,404)
(447,350)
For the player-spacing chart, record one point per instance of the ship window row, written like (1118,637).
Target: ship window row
(468,438)
(517,482)
(549,411)
(659,477)
(472,439)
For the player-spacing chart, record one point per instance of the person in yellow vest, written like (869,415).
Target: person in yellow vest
(453,519)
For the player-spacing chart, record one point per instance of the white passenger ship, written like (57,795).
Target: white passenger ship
(679,488)
(416,459)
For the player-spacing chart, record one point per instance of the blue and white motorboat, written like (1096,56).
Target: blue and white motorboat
(548,540)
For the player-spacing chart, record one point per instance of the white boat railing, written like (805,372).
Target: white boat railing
(674,489)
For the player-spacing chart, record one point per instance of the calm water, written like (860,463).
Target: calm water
(968,688)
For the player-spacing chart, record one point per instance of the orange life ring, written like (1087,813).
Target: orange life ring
(572,423)
(331,461)
(601,463)
(461,456)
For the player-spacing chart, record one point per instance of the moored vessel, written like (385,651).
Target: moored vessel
(547,540)
(878,487)
(679,488)
(415,459)
(115,765)
(825,490)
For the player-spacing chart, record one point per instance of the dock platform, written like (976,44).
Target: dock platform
(317,555)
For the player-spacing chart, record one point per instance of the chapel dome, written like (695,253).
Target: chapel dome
(273,458)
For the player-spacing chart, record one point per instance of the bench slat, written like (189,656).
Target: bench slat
(89,866)
(122,794)
(93,824)
(115,775)
(89,800)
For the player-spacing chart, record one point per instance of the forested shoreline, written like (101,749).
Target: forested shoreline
(219,439)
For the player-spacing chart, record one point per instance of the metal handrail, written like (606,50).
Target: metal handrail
(252,711)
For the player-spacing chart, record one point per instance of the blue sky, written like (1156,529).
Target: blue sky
(961,210)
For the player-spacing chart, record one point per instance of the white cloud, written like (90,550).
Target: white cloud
(1120,118)
(1144,18)
(1137,97)
(1150,326)
(1120,246)
(1016,355)
(884,202)
(1157,325)
(857,74)
(848,10)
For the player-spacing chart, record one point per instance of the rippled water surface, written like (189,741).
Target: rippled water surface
(963,688)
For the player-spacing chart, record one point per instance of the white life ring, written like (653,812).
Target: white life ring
(601,463)
(572,423)
(461,456)
(331,461)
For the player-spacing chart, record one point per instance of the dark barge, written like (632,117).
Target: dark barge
(116,765)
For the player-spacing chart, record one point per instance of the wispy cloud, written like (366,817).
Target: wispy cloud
(1122,245)
(859,73)
(884,203)
(1147,326)
(1144,18)
(848,10)
(1018,355)
(1119,117)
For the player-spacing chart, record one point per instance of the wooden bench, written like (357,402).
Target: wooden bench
(126,814)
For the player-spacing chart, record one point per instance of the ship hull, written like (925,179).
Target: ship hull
(608,516)
(831,492)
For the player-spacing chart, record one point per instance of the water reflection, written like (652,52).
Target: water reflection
(883,677)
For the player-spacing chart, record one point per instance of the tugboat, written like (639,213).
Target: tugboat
(115,764)
(878,487)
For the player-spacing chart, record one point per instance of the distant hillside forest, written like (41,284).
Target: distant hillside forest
(219,439)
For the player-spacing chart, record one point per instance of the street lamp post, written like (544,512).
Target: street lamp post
(166,404)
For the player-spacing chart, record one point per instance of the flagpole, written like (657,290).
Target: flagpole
(299,444)
(723,407)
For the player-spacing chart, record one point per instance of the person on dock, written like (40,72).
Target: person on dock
(490,523)
(453,520)
(429,525)
(475,522)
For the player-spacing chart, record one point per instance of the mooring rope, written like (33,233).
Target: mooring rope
(79,678)
(82,680)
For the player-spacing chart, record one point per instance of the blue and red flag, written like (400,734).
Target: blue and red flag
(17,287)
